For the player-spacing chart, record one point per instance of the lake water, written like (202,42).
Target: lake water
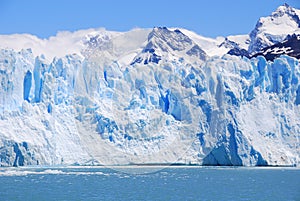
(130,183)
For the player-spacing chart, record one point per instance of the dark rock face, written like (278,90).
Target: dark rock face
(198,52)
(239,52)
(229,44)
(290,47)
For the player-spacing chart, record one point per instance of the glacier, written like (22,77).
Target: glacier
(159,96)
(229,111)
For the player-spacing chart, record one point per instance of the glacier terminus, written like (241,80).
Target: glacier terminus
(153,96)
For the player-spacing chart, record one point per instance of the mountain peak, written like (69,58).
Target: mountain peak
(274,28)
(286,9)
(163,41)
(166,39)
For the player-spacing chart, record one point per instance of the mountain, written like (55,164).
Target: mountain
(162,41)
(274,28)
(151,96)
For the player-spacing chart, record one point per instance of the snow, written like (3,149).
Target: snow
(66,42)
(59,45)
(209,45)
(241,40)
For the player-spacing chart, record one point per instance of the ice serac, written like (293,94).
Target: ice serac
(27,85)
(16,78)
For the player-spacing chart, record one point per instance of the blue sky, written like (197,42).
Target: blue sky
(208,18)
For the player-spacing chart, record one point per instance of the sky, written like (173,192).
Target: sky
(210,18)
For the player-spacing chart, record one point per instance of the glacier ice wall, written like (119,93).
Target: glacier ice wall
(225,111)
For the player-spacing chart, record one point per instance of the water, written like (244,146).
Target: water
(171,183)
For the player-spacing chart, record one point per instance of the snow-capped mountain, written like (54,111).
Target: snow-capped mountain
(273,29)
(151,96)
(163,43)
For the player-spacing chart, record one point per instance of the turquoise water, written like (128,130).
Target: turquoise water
(172,183)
